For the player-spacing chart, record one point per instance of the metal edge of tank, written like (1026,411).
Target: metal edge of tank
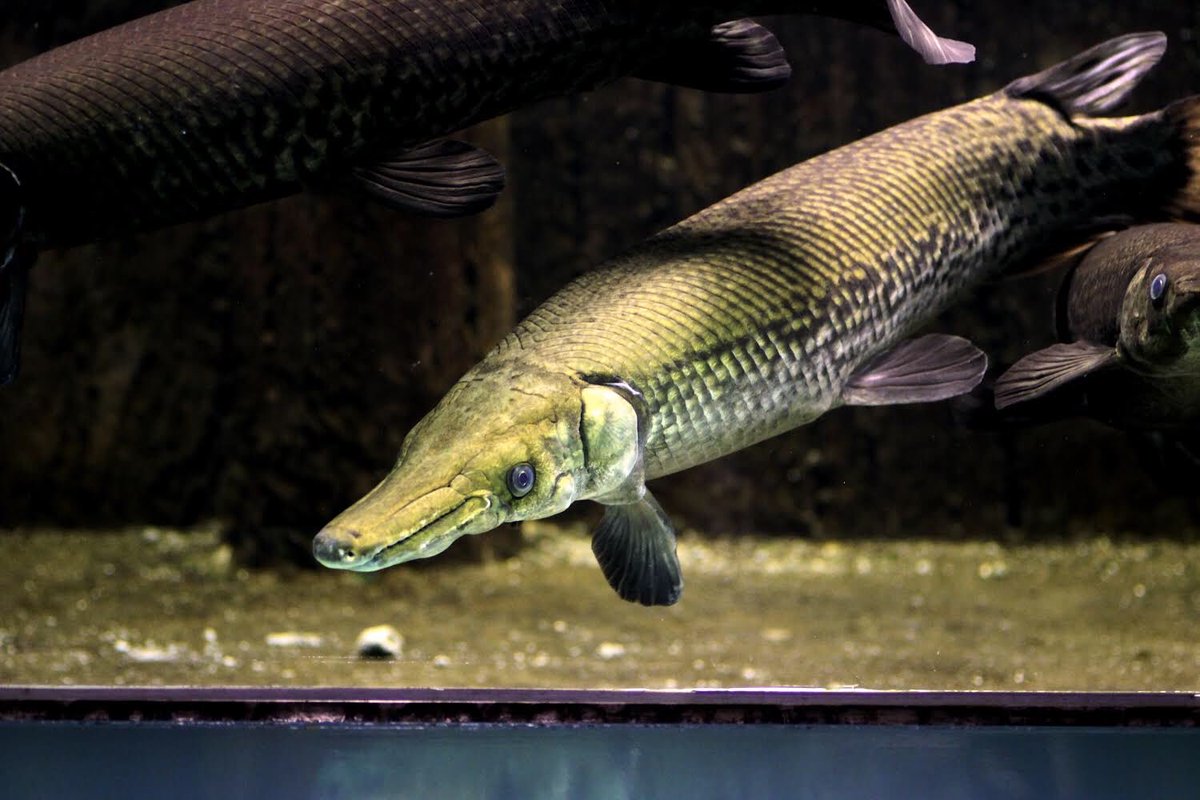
(391,706)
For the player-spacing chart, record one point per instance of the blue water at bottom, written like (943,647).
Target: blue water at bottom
(608,762)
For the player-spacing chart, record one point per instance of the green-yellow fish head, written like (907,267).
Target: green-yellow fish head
(504,445)
(1160,315)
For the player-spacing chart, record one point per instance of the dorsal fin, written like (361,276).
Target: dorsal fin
(1097,79)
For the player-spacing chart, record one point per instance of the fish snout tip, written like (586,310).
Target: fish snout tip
(335,547)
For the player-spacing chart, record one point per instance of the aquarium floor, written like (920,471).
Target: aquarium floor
(154,606)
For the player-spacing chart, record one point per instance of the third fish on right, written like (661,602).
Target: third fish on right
(1128,324)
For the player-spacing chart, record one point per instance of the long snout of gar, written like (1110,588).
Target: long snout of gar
(386,527)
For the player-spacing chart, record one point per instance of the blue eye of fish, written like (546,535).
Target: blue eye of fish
(1158,288)
(520,479)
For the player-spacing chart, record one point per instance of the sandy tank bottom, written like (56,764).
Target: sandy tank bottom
(155,606)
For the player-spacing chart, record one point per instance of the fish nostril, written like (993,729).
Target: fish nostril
(331,548)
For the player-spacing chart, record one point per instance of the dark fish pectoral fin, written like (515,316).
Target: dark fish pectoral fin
(922,370)
(917,35)
(14,284)
(635,545)
(740,56)
(446,178)
(1045,370)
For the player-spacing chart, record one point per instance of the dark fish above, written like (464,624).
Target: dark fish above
(1129,329)
(218,104)
(768,309)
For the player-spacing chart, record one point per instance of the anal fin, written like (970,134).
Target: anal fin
(1045,370)
(933,367)
(446,178)
(635,545)
(739,57)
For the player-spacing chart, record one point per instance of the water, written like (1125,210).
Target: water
(614,762)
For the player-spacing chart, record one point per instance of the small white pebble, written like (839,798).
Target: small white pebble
(993,569)
(441,660)
(379,641)
(776,635)
(610,650)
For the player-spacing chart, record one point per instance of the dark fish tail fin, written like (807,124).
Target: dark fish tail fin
(1184,118)
(1096,80)
(889,16)
(920,37)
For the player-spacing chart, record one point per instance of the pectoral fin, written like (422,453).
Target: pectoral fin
(635,545)
(446,178)
(740,56)
(1045,370)
(14,283)
(922,370)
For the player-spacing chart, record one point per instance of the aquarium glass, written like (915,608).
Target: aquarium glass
(197,400)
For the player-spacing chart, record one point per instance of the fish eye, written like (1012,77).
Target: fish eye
(520,479)
(1158,289)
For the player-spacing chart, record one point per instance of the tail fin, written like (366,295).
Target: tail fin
(1184,118)
(1097,79)
(899,17)
(920,37)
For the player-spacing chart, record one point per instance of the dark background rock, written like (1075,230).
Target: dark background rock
(262,367)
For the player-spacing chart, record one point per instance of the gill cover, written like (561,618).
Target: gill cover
(612,450)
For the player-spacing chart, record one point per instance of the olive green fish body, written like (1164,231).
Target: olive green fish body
(769,308)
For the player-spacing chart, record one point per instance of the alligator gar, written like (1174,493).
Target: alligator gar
(768,309)
(219,104)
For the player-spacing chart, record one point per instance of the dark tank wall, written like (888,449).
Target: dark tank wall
(263,367)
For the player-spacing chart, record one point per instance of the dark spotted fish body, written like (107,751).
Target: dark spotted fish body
(768,309)
(218,104)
